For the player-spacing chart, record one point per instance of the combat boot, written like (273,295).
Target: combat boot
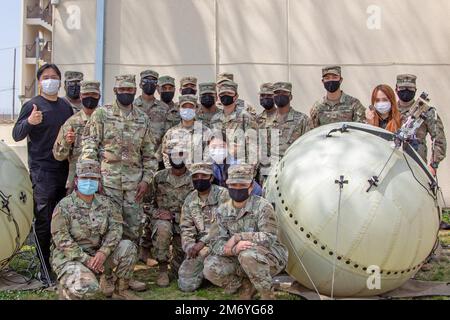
(247,290)
(163,277)
(136,285)
(107,285)
(267,295)
(121,291)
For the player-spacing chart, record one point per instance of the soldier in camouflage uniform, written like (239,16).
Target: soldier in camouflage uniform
(288,123)
(87,232)
(207,107)
(198,225)
(406,90)
(226,76)
(188,85)
(68,143)
(72,81)
(246,253)
(166,90)
(193,134)
(336,106)
(119,136)
(169,189)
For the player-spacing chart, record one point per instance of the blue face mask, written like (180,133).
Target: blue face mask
(87,187)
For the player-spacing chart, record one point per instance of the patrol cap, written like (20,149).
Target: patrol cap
(73,76)
(90,87)
(125,81)
(282,86)
(188,80)
(164,80)
(406,80)
(201,167)
(224,76)
(149,73)
(188,98)
(240,173)
(331,70)
(266,88)
(228,86)
(207,87)
(88,169)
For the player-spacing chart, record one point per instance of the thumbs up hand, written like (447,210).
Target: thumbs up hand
(35,117)
(70,136)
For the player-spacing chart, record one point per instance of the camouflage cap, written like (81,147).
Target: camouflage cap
(282,86)
(240,173)
(88,169)
(188,80)
(331,70)
(266,88)
(201,167)
(90,87)
(228,86)
(73,76)
(125,81)
(224,76)
(406,80)
(149,73)
(188,98)
(207,87)
(164,80)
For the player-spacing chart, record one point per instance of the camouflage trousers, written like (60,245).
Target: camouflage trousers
(146,239)
(258,264)
(190,274)
(164,234)
(77,281)
(132,212)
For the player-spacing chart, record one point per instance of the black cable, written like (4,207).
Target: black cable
(415,178)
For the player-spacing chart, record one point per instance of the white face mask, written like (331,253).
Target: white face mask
(218,155)
(383,107)
(187,114)
(50,86)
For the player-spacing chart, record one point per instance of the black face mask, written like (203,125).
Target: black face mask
(177,164)
(202,185)
(267,103)
(90,102)
(406,95)
(207,100)
(167,96)
(332,86)
(281,101)
(187,91)
(238,195)
(226,100)
(149,88)
(73,92)
(125,99)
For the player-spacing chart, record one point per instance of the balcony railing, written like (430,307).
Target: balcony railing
(34,11)
(30,90)
(45,53)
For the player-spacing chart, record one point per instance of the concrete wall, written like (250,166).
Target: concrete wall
(269,40)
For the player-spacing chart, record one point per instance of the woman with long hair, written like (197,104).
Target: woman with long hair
(384,112)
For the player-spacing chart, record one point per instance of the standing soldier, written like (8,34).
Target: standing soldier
(170,188)
(119,136)
(72,80)
(246,253)
(336,106)
(188,85)
(68,143)
(208,98)
(198,225)
(406,91)
(226,76)
(166,90)
(87,232)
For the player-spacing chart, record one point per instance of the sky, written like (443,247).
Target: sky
(10,28)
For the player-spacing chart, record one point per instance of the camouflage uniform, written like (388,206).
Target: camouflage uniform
(173,115)
(198,224)
(125,148)
(202,115)
(80,230)
(432,125)
(255,222)
(194,138)
(61,149)
(348,109)
(168,193)
(73,76)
